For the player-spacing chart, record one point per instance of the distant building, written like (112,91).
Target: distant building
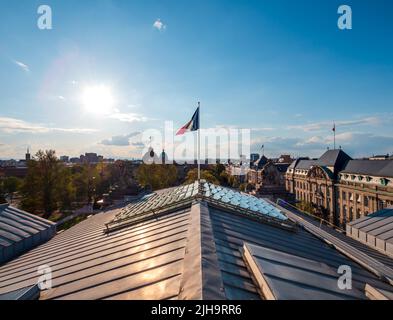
(254,157)
(339,188)
(164,157)
(91,158)
(379,157)
(285,158)
(18,172)
(268,178)
(150,157)
(65,159)
(75,160)
(27,156)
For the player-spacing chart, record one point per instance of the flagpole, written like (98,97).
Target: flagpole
(199,143)
(334,132)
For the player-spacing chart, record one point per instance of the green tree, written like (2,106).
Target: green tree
(10,186)
(43,187)
(207,175)
(156,176)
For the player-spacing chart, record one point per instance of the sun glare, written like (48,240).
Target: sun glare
(98,100)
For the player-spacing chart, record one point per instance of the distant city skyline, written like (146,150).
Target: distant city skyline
(109,70)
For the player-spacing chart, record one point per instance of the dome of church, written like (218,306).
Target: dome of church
(151,157)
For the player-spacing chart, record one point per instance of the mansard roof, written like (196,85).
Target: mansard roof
(261,162)
(379,168)
(334,158)
(331,158)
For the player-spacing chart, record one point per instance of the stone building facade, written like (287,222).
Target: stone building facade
(268,178)
(339,188)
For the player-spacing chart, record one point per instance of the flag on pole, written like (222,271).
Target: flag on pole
(192,125)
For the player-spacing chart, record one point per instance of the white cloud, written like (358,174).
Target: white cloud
(129,117)
(22,65)
(120,141)
(318,126)
(159,25)
(11,125)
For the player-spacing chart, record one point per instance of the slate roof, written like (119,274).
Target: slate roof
(334,158)
(20,231)
(379,168)
(282,167)
(259,164)
(193,251)
(306,164)
(331,158)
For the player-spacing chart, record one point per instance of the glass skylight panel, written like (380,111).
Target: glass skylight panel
(243,201)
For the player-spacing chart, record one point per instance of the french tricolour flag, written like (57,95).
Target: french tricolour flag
(192,125)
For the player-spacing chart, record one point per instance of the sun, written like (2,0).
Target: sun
(98,99)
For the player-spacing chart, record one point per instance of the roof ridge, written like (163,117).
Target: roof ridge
(256,209)
(201,279)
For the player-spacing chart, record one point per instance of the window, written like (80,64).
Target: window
(344,195)
(365,201)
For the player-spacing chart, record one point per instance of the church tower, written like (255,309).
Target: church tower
(28,156)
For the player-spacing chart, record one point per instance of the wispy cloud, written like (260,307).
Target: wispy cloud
(356,144)
(318,126)
(159,25)
(11,125)
(129,117)
(22,65)
(122,140)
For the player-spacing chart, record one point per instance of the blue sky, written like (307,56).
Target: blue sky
(282,68)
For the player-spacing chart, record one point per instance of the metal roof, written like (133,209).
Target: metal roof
(231,232)
(374,230)
(143,262)
(284,276)
(20,231)
(331,158)
(334,158)
(379,168)
(189,252)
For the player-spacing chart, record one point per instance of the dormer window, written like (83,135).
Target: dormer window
(345,176)
(353,177)
(368,178)
(384,181)
(360,178)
